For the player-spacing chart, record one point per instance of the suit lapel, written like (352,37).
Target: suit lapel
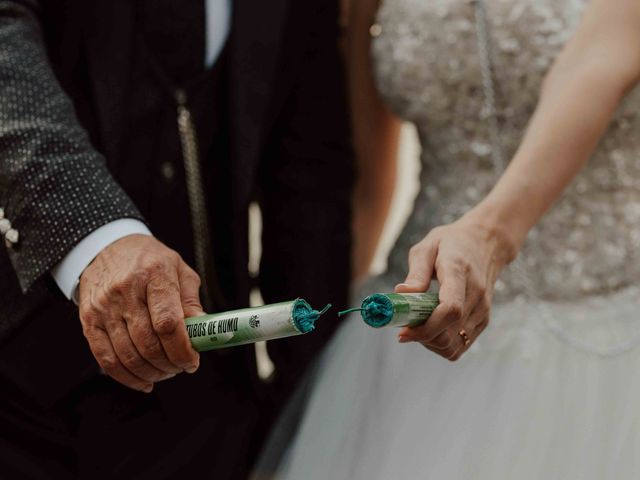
(109,39)
(255,44)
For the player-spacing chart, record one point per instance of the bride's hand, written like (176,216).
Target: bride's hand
(466,257)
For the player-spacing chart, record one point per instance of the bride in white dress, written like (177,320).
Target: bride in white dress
(550,390)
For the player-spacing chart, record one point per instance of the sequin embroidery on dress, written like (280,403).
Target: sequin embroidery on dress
(582,258)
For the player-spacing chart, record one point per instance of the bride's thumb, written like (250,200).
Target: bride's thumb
(417,281)
(410,286)
(421,261)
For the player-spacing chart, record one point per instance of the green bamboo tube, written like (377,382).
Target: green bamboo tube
(396,309)
(250,325)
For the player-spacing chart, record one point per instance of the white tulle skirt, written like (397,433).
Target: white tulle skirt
(531,400)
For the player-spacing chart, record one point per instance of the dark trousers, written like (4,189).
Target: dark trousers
(104,431)
(208,424)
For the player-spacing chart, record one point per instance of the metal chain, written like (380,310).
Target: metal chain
(195,193)
(499,164)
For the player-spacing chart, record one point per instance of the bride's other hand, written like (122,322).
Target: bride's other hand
(466,258)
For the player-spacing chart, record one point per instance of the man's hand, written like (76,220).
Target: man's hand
(133,300)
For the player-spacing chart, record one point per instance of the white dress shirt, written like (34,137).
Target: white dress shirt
(67,272)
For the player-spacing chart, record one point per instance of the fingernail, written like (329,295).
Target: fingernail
(147,388)
(191,368)
(404,339)
(401,285)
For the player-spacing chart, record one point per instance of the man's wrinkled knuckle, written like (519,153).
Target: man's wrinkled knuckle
(191,304)
(121,287)
(149,347)
(165,325)
(132,361)
(109,363)
(149,341)
(169,254)
(94,335)
(89,315)
(174,257)
(195,278)
(162,286)
(155,268)
(139,275)
(102,301)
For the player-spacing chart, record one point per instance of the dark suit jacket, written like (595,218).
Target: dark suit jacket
(64,68)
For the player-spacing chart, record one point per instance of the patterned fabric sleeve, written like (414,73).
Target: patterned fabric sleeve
(55,188)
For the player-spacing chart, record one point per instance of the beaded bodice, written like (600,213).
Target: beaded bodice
(428,69)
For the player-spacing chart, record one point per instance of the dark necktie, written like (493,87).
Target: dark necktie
(174,37)
(174,33)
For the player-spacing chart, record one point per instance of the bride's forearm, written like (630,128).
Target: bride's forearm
(562,135)
(580,95)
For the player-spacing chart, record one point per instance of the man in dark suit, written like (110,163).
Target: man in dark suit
(133,136)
